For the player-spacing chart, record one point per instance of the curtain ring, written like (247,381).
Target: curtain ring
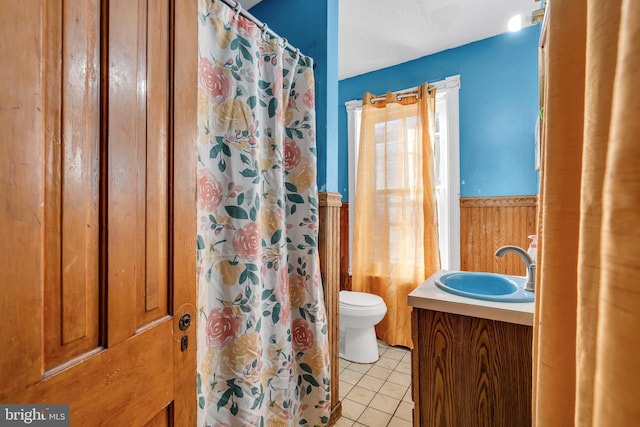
(237,9)
(284,43)
(264,29)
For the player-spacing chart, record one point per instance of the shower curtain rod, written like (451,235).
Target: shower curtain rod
(235,5)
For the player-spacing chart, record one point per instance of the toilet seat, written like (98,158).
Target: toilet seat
(359,299)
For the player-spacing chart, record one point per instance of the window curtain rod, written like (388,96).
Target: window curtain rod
(237,7)
(400,95)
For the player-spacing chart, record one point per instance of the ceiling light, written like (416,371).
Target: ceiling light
(515,23)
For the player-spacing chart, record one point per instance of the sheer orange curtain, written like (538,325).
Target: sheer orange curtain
(587,327)
(395,234)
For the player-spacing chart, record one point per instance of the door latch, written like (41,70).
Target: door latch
(184,342)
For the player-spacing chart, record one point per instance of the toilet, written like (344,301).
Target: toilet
(359,313)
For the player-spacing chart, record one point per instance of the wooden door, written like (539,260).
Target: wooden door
(97,208)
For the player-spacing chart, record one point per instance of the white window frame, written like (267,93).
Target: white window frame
(448,202)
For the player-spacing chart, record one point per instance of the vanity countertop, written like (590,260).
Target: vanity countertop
(430,297)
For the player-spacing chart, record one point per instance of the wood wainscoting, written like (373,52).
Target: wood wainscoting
(345,277)
(486,223)
(329,251)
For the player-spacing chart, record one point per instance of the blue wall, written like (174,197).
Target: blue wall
(498,109)
(312,27)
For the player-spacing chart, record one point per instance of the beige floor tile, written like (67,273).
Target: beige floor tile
(399,422)
(379,372)
(352,377)
(385,362)
(344,363)
(344,389)
(370,400)
(404,367)
(373,418)
(384,403)
(343,422)
(399,378)
(351,409)
(361,395)
(382,344)
(404,411)
(371,383)
(360,367)
(394,354)
(393,390)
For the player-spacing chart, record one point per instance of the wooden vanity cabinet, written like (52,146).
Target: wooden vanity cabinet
(470,371)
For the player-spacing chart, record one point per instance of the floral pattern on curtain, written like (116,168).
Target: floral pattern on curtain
(262,343)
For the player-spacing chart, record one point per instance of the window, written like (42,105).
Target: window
(447,169)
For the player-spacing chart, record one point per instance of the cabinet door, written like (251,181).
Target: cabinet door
(470,372)
(97,211)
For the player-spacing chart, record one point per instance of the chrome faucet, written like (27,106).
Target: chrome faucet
(530,282)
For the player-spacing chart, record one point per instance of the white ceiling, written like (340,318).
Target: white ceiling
(375,34)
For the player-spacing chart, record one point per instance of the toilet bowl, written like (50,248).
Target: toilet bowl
(359,313)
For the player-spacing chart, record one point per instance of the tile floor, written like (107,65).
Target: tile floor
(377,394)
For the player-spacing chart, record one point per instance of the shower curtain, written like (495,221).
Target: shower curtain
(586,342)
(262,343)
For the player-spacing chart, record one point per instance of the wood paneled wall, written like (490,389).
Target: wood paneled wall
(486,223)
(329,251)
(345,278)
